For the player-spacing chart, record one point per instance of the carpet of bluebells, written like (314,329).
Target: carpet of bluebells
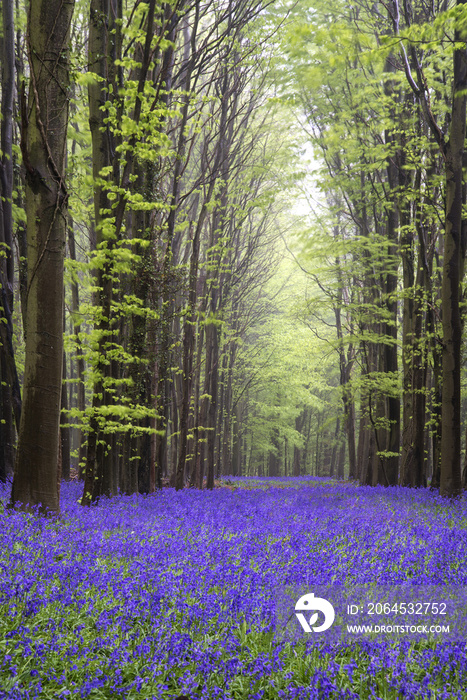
(173,593)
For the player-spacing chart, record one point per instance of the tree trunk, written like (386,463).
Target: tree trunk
(65,433)
(450,476)
(6,161)
(10,389)
(212,370)
(35,480)
(391,445)
(79,359)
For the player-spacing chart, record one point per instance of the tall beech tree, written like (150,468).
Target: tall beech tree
(452,146)
(43,141)
(10,393)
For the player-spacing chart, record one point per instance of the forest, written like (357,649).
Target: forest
(233,389)
(233,240)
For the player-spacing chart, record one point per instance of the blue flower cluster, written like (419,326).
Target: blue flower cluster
(173,593)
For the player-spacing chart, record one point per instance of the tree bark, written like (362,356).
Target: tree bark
(80,366)
(10,389)
(450,476)
(44,144)
(6,162)
(65,433)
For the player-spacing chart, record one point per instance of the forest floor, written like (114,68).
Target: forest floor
(188,593)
